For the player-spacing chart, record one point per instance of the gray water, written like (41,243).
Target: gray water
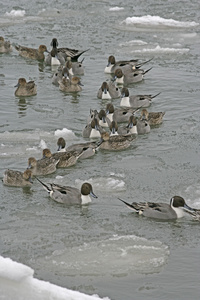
(104,249)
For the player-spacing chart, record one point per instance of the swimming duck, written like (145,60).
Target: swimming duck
(46,165)
(143,126)
(70,85)
(129,78)
(75,68)
(132,125)
(25,89)
(70,195)
(153,118)
(67,158)
(176,209)
(120,115)
(135,101)
(31,52)
(116,130)
(108,90)
(5,46)
(104,121)
(54,58)
(124,65)
(17,178)
(115,142)
(92,130)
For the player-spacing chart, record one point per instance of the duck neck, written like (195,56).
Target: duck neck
(125,101)
(85,199)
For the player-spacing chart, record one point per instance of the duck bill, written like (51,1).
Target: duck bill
(189,209)
(93,195)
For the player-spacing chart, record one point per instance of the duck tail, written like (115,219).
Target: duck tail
(143,63)
(147,70)
(44,185)
(129,205)
(155,95)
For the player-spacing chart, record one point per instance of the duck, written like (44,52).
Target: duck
(122,78)
(70,195)
(67,158)
(108,90)
(163,211)
(18,178)
(92,130)
(124,65)
(115,130)
(104,121)
(143,126)
(115,142)
(37,54)
(54,58)
(61,143)
(70,85)
(75,68)
(135,101)
(120,115)
(5,46)
(131,128)
(25,89)
(63,53)
(45,166)
(153,118)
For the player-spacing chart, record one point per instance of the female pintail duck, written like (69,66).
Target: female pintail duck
(25,89)
(46,165)
(32,53)
(17,178)
(129,65)
(66,159)
(120,115)
(5,46)
(122,78)
(153,118)
(92,130)
(70,195)
(104,121)
(70,85)
(176,209)
(115,142)
(135,101)
(108,90)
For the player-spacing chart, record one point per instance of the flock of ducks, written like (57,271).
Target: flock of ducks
(112,128)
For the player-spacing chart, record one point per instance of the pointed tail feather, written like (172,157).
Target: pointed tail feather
(44,185)
(155,95)
(143,63)
(147,70)
(129,205)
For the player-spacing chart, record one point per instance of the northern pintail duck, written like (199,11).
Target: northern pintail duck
(92,130)
(70,195)
(31,52)
(108,90)
(124,65)
(54,58)
(115,142)
(116,130)
(143,126)
(75,68)
(153,118)
(132,125)
(46,165)
(84,150)
(66,159)
(120,115)
(70,85)
(135,101)
(17,178)
(176,209)
(5,46)
(104,121)
(128,78)
(25,89)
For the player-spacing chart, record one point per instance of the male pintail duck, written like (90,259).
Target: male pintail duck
(116,130)
(61,54)
(25,89)
(70,195)
(120,115)
(115,142)
(92,130)
(46,165)
(176,209)
(132,125)
(124,65)
(70,85)
(85,150)
(129,78)
(75,68)
(5,46)
(153,118)
(143,126)
(104,121)
(17,178)
(108,90)
(31,52)
(135,101)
